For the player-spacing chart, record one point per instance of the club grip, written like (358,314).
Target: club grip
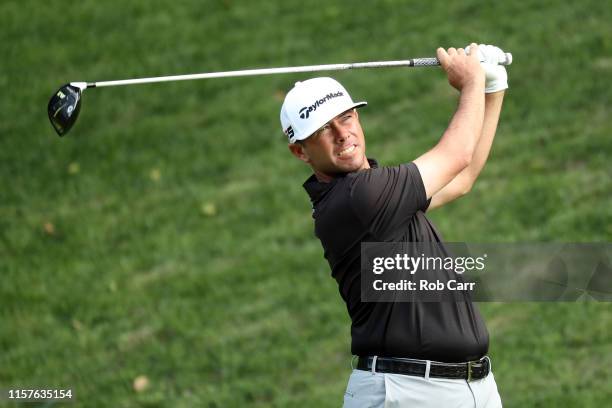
(425,62)
(430,62)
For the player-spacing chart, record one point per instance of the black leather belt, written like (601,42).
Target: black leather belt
(472,370)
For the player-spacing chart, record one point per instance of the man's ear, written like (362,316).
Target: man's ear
(298,150)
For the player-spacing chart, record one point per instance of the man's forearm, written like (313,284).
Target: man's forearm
(455,150)
(465,128)
(493,105)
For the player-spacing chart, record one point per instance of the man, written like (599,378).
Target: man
(421,354)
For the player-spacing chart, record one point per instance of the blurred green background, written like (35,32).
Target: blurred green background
(167,241)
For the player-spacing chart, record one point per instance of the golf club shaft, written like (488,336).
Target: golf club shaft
(415,62)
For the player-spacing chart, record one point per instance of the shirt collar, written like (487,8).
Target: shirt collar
(316,189)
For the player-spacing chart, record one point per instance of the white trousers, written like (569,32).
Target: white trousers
(374,390)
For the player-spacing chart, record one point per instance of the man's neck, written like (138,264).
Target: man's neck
(322,177)
(327,178)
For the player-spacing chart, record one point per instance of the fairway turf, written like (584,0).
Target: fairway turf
(168,234)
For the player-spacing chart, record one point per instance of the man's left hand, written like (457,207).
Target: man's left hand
(495,74)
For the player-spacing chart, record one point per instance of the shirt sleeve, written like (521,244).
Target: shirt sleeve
(386,198)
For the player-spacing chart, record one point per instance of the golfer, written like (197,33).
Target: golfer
(409,354)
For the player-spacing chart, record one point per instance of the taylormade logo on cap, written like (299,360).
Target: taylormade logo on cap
(311,104)
(305,111)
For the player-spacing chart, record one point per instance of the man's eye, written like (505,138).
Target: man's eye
(320,132)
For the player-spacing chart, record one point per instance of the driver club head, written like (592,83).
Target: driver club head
(64,107)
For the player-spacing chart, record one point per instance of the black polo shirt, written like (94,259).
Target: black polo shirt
(388,204)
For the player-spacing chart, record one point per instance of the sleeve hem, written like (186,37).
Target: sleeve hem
(423,200)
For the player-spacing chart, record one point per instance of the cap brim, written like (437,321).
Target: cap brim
(359,104)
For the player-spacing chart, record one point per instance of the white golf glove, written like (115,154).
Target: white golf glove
(496,75)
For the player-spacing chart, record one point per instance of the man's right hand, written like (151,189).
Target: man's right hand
(462,70)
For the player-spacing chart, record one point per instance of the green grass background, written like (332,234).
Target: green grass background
(168,235)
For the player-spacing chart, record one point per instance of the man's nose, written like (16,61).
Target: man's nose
(340,132)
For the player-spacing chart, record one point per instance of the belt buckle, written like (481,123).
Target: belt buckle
(469,371)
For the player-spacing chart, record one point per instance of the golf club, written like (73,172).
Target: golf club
(65,104)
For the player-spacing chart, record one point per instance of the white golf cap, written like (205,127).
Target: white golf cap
(311,104)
